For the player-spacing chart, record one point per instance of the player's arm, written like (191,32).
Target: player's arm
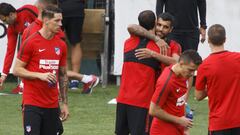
(159,6)
(20,71)
(157,111)
(63,86)
(138,30)
(201,82)
(144,53)
(200,94)
(11,47)
(202,14)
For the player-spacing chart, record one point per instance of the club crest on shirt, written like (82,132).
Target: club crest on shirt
(26,24)
(57,50)
(28,128)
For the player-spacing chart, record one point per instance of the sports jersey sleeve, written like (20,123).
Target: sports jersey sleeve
(63,60)
(162,90)
(26,51)
(176,48)
(11,46)
(201,79)
(202,12)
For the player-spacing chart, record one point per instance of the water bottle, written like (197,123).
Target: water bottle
(52,84)
(190,115)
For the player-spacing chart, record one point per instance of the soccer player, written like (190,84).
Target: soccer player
(73,18)
(219,78)
(41,62)
(17,20)
(137,82)
(168,101)
(164,26)
(90,81)
(190,23)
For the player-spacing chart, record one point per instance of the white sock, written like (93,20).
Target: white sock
(86,78)
(21,84)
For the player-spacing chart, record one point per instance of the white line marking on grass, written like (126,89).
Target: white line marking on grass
(112,101)
(4,94)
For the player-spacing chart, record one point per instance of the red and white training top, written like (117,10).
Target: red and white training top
(42,55)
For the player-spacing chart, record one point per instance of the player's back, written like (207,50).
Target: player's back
(138,79)
(222,75)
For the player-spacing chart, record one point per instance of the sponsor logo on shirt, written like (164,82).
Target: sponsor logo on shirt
(48,64)
(181,100)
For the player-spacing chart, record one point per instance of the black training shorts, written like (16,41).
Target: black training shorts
(73,28)
(132,120)
(40,121)
(230,131)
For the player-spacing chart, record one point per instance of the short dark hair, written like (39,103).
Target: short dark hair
(50,2)
(147,19)
(6,9)
(217,34)
(167,17)
(49,11)
(191,56)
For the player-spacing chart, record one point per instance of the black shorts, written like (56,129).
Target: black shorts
(132,120)
(73,28)
(230,131)
(40,121)
(187,40)
(59,123)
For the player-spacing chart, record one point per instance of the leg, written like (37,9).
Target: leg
(59,123)
(90,81)
(73,29)
(76,57)
(74,34)
(121,126)
(192,40)
(74,75)
(50,121)
(32,120)
(138,119)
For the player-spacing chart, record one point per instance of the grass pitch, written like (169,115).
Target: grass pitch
(89,114)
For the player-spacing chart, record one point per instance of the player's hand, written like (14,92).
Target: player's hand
(143,53)
(186,131)
(64,112)
(163,46)
(49,77)
(2,80)
(185,122)
(203,34)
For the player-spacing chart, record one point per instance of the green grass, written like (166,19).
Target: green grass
(89,114)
